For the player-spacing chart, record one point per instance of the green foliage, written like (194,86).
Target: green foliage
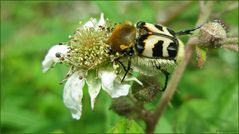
(31,102)
(126,126)
(207,115)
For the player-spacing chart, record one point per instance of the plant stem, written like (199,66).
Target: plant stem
(229,41)
(231,44)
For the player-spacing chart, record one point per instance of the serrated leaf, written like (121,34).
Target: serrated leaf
(201,56)
(126,126)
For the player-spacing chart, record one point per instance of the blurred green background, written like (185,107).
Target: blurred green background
(206,99)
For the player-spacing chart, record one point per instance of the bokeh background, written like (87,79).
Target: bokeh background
(206,99)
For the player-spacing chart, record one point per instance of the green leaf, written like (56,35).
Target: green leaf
(27,120)
(195,116)
(201,56)
(164,126)
(202,115)
(126,126)
(119,127)
(226,109)
(133,127)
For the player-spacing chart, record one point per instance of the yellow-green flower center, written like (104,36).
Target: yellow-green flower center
(89,48)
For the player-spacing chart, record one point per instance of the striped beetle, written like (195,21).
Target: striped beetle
(152,44)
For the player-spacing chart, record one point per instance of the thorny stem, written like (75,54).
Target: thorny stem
(205,11)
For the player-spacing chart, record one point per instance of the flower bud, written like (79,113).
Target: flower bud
(148,91)
(122,106)
(211,34)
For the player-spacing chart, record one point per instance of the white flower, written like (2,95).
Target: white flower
(51,58)
(105,79)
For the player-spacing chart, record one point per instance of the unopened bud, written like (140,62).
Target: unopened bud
(211,34)
(148,91)
(122,106)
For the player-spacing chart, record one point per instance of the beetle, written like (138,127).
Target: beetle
(152,44)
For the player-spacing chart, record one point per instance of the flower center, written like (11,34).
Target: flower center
(89,48)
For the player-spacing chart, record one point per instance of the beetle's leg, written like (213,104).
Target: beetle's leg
(187,31)
(122,65)
(128,68)
(166,73)
(125,69)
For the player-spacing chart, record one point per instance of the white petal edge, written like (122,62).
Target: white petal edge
(94,86)
(50,58)
(113,86)
(73,95)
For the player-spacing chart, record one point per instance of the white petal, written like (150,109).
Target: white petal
(51,59)
(113,86)
(120,89)
(73,94)
(94,86)
(102,20)
(107,78)
(91,23)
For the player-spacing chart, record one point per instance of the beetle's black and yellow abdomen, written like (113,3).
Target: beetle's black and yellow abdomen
(156,42)
(153,46)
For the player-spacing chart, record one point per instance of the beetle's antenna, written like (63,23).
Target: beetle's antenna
(187,31)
